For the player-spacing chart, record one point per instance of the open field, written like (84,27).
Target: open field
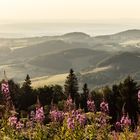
(49,80)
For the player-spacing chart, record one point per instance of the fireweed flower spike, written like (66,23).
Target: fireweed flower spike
(39,116)
(5,86)
(57,116)
(69,104)
(91,105)
(125,121)
(19,125)
(12,121)
(104,107)
(70,123)
(81,119)
(75,112)
(5,91)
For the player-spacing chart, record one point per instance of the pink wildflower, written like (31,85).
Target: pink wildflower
(104,107)
(57,116)
(125,121)
(19,125)
(39,116)
(70,123)
(5,88)
(69,104)
(12,121)
(91,106)
(81,119)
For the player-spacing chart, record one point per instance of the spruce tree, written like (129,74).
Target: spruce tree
(71,86)
(84,97)
(27,97)
(27,84)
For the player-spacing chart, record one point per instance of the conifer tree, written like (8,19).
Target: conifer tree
(27,85)
(27,97)
(71,85)
(84,97)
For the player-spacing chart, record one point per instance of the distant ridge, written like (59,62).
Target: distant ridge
(76,34)
(130,32)
(127,34)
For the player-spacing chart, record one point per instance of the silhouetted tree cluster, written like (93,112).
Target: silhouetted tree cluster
(124,100)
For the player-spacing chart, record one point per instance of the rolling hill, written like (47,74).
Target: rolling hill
(114,68)
(78,59)
(99,60)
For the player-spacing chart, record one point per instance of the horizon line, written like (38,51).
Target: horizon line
(71,32)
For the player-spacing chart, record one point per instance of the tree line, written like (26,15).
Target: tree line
(122,97)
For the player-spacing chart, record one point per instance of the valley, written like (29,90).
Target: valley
(97,60)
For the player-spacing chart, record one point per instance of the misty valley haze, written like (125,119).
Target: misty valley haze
(97,60)
(38,29)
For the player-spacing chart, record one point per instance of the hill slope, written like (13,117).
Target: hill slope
(117,68)
(100,60)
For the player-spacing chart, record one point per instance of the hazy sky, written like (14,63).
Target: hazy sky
(68,10)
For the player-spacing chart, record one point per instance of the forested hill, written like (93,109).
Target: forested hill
(96,59)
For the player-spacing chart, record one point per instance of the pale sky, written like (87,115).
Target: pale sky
(68,10)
